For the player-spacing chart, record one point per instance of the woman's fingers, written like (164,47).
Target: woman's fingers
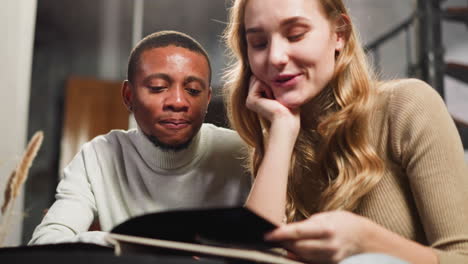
(326,237)
(297,231)
(316,250)
(260,100)
(268,92)
(258,89)
(255,93)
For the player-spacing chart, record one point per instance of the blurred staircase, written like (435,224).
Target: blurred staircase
(456,70)
(456,14)
(430,65)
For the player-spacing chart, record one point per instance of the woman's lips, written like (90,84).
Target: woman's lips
(287,80)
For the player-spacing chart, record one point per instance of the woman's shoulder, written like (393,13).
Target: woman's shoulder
(407,89)
(408,93)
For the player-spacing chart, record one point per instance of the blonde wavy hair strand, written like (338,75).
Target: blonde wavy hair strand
(332,150)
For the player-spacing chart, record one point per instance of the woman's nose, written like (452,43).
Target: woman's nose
(278,54)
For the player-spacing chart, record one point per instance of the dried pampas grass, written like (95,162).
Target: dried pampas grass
(16,180)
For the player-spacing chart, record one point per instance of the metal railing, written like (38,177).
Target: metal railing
(373,48)
(429,64)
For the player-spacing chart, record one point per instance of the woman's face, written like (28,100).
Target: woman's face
(291,47)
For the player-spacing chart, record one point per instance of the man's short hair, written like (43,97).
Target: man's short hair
(162,39)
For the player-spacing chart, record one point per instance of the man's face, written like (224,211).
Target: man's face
(170,94)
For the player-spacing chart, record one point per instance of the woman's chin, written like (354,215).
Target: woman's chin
(291,103)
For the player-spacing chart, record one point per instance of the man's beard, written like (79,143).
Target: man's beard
(166,147)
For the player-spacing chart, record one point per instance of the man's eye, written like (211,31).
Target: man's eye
(193,91)
(156,89)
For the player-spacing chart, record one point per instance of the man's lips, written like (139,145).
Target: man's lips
(174,123)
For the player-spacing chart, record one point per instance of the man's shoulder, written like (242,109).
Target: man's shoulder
(217,129)
(220,133)
(117,137)
(222,137)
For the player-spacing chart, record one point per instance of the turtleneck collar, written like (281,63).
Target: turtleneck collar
(158,158)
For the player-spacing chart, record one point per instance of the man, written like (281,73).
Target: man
(171,161)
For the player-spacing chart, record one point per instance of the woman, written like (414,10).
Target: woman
(358,165)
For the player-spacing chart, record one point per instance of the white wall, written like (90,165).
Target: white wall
(17,20)
(109,38)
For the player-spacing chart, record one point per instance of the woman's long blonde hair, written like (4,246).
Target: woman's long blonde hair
(332,152)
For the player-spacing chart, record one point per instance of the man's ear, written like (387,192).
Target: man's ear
(127,95)
(209,94)
(343,31)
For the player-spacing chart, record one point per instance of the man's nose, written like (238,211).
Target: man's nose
(278,53)
(176,100)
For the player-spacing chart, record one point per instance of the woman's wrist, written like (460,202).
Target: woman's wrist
(377,239)
(369,234)
(286,126)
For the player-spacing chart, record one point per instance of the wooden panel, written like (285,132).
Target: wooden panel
(92,107)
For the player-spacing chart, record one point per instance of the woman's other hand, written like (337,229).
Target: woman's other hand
(324,238)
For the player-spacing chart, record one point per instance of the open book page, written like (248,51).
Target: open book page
(235,233)
(227,227)
(125,244)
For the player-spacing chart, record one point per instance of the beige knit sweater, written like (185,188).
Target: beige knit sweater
(423,195)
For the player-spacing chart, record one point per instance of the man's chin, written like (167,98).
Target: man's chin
(169,146)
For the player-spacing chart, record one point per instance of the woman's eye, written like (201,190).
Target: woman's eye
(257,43)
(297,32)
(296,37)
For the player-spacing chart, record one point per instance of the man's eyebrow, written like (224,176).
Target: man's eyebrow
(191,78)
(283,23)
(163,76)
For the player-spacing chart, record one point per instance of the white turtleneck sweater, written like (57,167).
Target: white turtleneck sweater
(122,175)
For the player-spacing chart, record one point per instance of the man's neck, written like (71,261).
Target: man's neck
(168,158)
(166,147)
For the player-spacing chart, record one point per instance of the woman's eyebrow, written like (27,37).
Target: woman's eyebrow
(253,30)
(293,20)
(283,23)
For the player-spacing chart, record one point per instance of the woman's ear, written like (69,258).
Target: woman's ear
(343,31)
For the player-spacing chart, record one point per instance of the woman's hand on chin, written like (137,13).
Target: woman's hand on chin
(261,100)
